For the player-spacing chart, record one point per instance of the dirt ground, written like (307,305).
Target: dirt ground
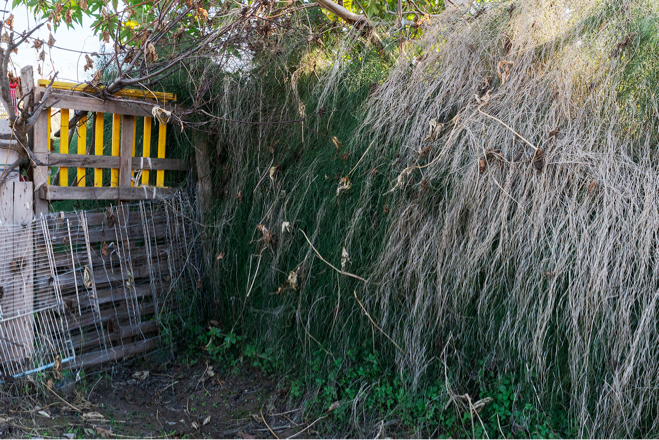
(153,398)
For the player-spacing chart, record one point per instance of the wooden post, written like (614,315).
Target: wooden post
(116,143)
(126,152)
(204,187)
(27,80)
(41,146)
(16,276)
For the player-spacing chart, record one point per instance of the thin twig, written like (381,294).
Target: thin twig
(65,402)
(375,325)
(330,264)
(508,127)
(317,420)
(268,426)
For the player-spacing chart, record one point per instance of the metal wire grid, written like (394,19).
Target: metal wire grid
(90,295)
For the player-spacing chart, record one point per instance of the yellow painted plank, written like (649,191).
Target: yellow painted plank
(48,131)
(130,93)
(116,144)
(98,149)
(132,172)
(64,145)
(162,135)
(146,148)
(82,149)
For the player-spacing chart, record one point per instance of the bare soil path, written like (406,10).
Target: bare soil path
(149,399)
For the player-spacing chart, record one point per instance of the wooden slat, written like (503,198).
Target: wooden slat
(162,136)
(126,152)
(51,193)
(78,101)
(132,173)
(98,150)
(82,149)
(116,143)
(124,352)
(146,148)
(100,162)
(41,175)
(132,93)
(64,145)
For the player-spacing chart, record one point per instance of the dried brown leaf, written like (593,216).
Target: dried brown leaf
(89,63)
(57,368)
(140,375)
(482,164)
(539,159)
(104,433)
(344,185)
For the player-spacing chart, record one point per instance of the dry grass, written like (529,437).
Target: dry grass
(551,250)
(525,231)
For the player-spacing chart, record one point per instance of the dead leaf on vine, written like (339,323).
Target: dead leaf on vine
(68,16)
(42,56)
(503,70)
(140,375)
(265,233)
(105,433)
(151,55)
(202,14)
(345,259)
(57,368)
(51,40)
(87,277)
(93,416)
(98,76)
(89,64)
(83,5)
(344,185)
(539,159)
(37,44)
(434,130)
(482,101)
(106,37)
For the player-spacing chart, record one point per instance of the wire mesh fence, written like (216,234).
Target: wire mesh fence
(93,286)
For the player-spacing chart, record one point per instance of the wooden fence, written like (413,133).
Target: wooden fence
(90,287)
(130,178)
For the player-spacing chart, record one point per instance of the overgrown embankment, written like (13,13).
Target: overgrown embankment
(493,187)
